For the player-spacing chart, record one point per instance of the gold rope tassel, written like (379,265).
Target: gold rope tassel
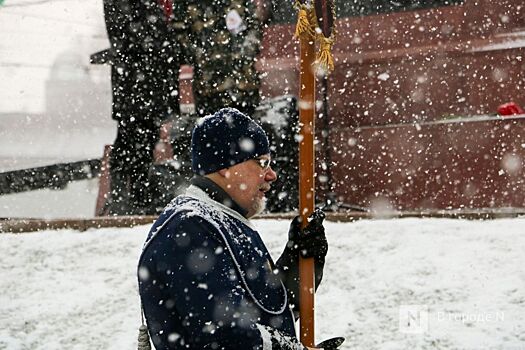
(304,28)
(143,340)
(325,59)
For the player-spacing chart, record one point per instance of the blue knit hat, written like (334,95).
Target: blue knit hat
(226,138)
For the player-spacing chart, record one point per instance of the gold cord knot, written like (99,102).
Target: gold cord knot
(305,28)
(325,58)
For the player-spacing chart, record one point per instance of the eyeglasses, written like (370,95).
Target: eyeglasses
(265,163)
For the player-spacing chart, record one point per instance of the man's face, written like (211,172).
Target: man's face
(247,183)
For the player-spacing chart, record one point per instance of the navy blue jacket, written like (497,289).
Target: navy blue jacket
(206,279)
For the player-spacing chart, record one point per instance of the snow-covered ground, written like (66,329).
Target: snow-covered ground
(76,291)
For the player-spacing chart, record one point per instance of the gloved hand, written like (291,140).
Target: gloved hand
(310,242)
(331,344)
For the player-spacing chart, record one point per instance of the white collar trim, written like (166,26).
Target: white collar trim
(197,193)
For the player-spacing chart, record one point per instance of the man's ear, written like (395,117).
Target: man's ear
(224,172)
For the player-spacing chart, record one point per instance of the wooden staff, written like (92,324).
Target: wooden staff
(308,20)
(306,168)
(306,185)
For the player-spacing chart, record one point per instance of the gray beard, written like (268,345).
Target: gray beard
(260,206)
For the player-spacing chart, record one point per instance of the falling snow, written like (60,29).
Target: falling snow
(408,120)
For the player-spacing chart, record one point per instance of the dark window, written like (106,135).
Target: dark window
(351,8)
(348,8)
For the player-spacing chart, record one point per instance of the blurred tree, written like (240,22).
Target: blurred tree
(221,39)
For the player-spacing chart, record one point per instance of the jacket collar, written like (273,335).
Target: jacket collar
(217,193)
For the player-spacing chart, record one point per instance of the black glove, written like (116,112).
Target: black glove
(331,344)
(311,241)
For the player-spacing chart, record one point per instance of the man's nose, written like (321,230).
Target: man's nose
(270,175)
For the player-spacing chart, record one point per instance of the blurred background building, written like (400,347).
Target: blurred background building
(408,120)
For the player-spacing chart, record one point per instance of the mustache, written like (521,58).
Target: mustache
(265,187)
